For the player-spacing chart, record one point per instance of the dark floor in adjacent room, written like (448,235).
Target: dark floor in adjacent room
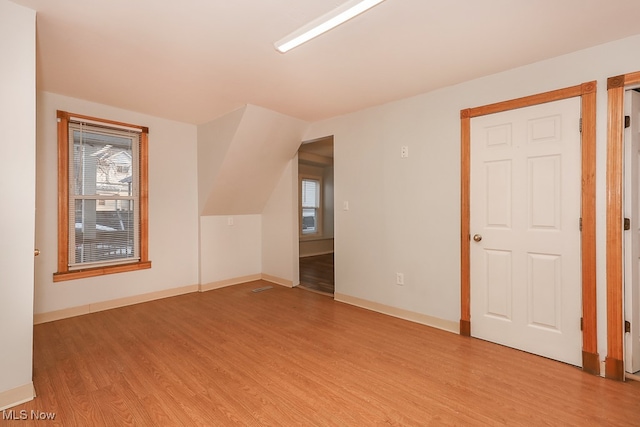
(317,273)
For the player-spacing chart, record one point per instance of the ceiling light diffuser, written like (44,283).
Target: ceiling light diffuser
(326,22)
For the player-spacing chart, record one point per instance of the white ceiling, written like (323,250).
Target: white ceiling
(195,60)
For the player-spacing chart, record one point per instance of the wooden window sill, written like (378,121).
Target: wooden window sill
(100,271)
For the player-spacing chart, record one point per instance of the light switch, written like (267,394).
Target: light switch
(345,205)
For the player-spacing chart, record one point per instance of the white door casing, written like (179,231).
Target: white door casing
(525,190)
(632,236)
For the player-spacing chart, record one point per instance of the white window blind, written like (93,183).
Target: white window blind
(103,195)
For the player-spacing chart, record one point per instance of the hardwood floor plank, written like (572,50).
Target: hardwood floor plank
(317,273)
(290,357)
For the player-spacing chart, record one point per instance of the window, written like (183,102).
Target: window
(102,202)
(310,205)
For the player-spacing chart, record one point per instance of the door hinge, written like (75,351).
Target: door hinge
(627,121)
(627,326)
(627,224)
(580,224)
(582,323)
(580,125)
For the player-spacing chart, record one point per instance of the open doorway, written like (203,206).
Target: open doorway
(622,295)
(315,178)
(632,232)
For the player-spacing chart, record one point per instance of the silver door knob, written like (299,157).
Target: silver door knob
(477,237)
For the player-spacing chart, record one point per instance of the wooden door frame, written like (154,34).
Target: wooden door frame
(587,93)
(616,86)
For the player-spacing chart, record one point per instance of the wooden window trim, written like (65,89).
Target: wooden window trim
(614,362)
(63,272)
(587,92)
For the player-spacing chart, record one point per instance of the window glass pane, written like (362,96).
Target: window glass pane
(309,220)
(104,230)
(102,164)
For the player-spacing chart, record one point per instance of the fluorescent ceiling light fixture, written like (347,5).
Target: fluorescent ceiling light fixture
(326,22)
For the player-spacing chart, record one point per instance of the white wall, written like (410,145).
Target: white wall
(173,209)
(263,142)
(280,228)
(17,174)
(214,140)
(405,213)
(229,250)
(254,245)
(242,157)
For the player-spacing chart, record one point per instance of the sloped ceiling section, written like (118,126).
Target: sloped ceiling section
(241,157)
(214,140)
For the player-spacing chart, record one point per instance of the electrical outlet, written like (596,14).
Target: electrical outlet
(399,279)
(230,221)
(404,152)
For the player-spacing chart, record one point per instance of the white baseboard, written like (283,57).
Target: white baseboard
(136,299)
(277,280)
(107,305)
(633,377)
(228,282)
(435,322)
(16,396)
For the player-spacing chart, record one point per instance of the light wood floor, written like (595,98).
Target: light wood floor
(288,357)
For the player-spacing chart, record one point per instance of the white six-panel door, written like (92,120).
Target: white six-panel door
(632,236)
(525,235)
